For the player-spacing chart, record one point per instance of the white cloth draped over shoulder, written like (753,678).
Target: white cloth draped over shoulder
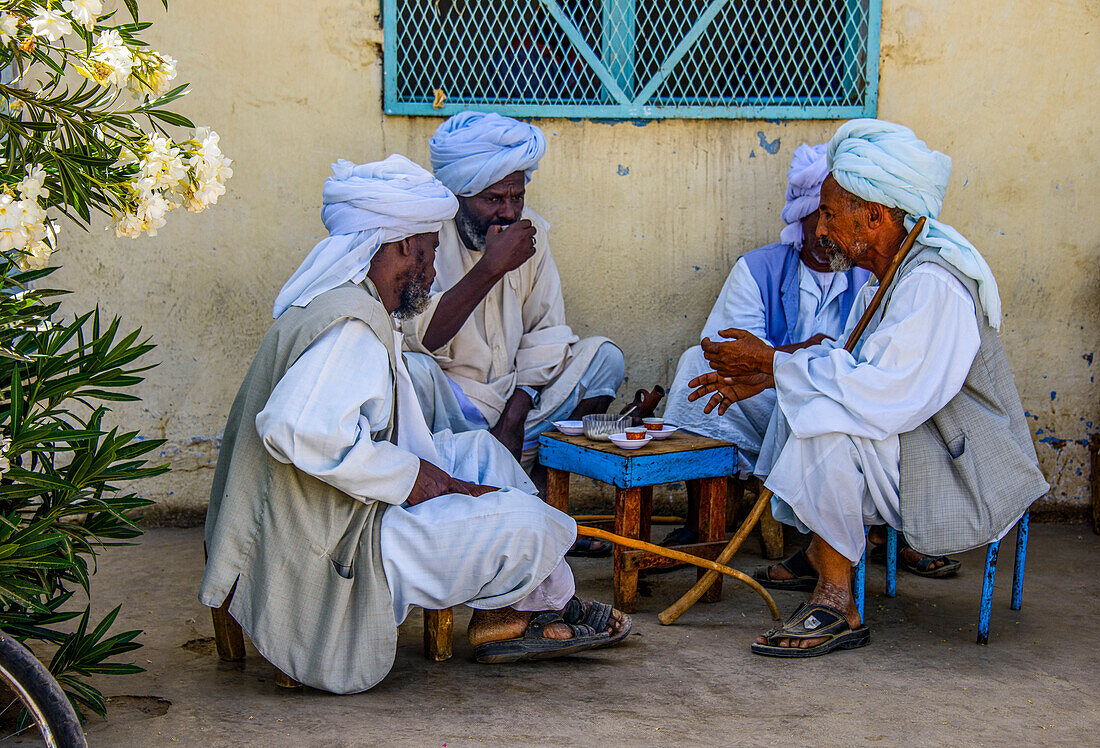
(809,167)
(474,150)
(886,163)
(364,207)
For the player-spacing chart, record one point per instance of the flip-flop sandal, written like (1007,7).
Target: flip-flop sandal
(596,616)
(582,548)
(805,578)
(814,622)
(534,646)
(923,567)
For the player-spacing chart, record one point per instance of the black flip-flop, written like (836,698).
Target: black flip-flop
(922,568)
(534,646)
(805,578)
(596,616)
(814,622)
(586,552)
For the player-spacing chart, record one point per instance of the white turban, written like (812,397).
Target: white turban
(888,164)
(809,167)
(363,207)
(474,150)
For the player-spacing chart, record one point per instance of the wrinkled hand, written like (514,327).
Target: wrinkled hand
(508,248)
(741,354)
(432,482)
(725,391)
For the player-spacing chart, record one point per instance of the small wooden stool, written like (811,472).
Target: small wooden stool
(229,638)
(704,462)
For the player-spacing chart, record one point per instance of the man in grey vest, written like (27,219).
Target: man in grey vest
(335,509)
(920,427)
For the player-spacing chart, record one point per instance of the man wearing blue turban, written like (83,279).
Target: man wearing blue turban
(920,427)
(493,350)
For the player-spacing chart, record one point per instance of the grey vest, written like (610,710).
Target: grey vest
(301,558)
(971,469)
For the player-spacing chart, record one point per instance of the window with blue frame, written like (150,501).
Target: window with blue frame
(772,59)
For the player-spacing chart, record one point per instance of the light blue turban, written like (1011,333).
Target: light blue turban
(475,150)
(888,164)
(363,207)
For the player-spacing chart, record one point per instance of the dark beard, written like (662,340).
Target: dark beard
(415,297)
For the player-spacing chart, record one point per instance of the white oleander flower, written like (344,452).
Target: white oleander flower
(128,226)
(5,464)
(13,238)
(9,27)
(163,164)
(110,61)
(31,187)
(83,12)
(157,72)
(34,257)
(50,24)
(9,212)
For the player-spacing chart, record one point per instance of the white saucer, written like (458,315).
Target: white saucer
(570,428)
(665,432)
(620,441)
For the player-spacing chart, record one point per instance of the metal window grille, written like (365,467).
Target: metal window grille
(647,59)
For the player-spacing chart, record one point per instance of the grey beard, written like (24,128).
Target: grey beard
(415,297)
(840,262)
(470,232)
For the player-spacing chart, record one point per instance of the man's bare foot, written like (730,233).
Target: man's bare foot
(507,623)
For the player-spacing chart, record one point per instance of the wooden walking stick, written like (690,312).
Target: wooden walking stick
(678,608)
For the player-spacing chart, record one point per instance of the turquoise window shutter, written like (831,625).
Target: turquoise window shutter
(633,59)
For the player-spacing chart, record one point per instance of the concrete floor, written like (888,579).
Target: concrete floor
(922,681)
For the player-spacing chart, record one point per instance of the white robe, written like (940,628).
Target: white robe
(740,305)
(503,548)
(516,336)
(831,454)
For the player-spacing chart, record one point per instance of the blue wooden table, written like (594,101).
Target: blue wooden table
(704,463)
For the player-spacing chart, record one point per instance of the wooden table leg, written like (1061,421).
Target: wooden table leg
(282,680)
(628,513)
(439,629)
(712,523)
(645,520)
(557,489)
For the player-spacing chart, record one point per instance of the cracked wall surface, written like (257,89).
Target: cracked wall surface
(647,220)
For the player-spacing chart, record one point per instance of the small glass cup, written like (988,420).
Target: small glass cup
(635,432)
(654,424)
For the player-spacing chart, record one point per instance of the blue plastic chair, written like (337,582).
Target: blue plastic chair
(986,607)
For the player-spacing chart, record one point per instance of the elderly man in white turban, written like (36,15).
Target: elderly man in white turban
(334,509)
(921,427)
(785,294)
(495,349)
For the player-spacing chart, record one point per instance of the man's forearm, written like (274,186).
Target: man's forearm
(456,305)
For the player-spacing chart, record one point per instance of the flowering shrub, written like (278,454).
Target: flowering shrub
(85,127)
(84,130)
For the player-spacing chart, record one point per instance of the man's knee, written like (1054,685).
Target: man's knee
(607,370)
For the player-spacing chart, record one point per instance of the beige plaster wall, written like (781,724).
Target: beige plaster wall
(647,219)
